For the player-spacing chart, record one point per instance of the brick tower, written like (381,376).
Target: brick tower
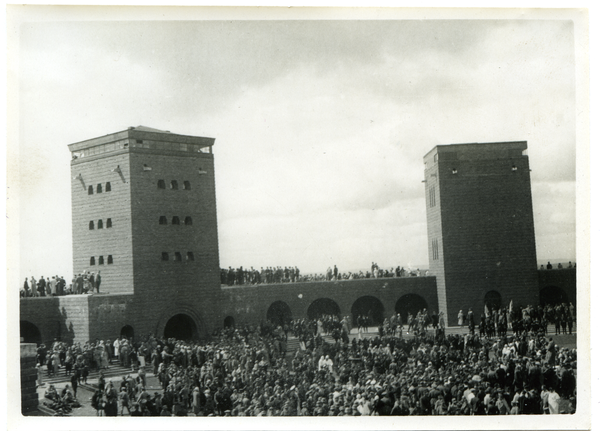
(480,232)
(144,214)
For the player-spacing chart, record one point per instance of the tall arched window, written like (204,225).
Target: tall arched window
(92,225)
(92,261)
(177,256)
(110,259)
(175,220)
(90,190)
(100,224)
(190,255)
(174,185)
(188,221)
(161,184)
(187,185)
(99,188)
(101,260)
(108,188)
(108,223)
(165,255)
(162,220)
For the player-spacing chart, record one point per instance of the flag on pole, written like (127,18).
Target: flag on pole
(487,312)
(510,307)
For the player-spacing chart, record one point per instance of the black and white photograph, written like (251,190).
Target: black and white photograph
(298,215)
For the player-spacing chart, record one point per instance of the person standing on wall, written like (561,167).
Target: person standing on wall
(98,280)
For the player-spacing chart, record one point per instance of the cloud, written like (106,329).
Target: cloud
(320,126)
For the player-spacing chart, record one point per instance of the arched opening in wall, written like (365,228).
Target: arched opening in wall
(29,332)
(279,313)
(181,327)
(410,303)
(323,306)
(493,300)
(368,306)
(553,295)
(127,332)
(229,322)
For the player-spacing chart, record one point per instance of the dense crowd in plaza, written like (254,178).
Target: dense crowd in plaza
(269,275)
(88,282)
(245,371)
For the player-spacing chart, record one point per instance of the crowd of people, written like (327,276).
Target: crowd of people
(245,371)
(269,275)
(85,283)
(522,320)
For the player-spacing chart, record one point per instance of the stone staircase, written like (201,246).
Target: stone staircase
(115,370)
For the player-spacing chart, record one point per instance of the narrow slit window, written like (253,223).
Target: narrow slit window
(92,261)
(92,225)
(101,260)
(434,249)
(108,223)
(174,185)
(177,257)
(161,184)
(109,259)
(108,188)
(190,256)
(162,220)
(188,221)
(187,185)
(165,255)
(90,190)
(175,220)
(99,188)
(100,226)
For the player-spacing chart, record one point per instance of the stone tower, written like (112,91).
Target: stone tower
(481,239)
(144,214)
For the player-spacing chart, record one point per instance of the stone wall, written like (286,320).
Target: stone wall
(250,304)
(29,395)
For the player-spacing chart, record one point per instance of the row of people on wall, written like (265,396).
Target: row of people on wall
(87,282)
(240,276)
(548,266)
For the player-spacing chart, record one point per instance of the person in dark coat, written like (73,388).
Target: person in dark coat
(41,287)
(98,280)
(74,383)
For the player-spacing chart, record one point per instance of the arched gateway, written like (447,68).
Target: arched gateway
(323,306)
(30,333)
(410,303)
(368,306)
(182,327)
(279,313)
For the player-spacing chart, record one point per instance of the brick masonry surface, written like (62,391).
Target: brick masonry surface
(29,395)
(482,218)
(89,317)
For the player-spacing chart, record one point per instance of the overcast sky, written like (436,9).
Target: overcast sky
(320,126)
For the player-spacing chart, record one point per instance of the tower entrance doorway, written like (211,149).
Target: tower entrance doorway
(30,333)
(181,327)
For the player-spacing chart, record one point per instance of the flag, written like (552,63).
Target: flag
(510,307)
(487,312)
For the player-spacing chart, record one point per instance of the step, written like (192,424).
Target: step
(114,370)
